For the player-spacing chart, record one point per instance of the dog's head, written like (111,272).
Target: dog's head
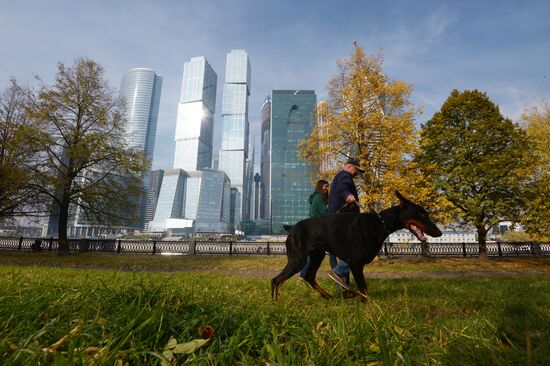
(416,219)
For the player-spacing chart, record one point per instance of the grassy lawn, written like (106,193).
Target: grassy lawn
(99,314)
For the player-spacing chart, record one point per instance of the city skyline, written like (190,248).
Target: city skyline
(497,47)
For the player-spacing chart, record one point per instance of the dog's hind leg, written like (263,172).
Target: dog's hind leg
(316,258)
(296,253)
(291,268)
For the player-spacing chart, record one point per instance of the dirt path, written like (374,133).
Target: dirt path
(395,275)
(272,273)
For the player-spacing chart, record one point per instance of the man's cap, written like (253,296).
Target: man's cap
(355,163)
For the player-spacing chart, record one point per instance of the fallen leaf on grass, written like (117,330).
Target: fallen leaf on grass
(320,325)
(90,350)
(373,347)
(173,347)
(189,347)
(62,340)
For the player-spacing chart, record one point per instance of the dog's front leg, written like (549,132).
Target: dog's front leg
(357,271)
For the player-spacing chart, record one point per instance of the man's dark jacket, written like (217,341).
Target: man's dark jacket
(342,186)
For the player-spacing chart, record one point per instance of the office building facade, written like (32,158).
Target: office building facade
(195,116)
(171,199)
(248,189)
(207,200)
(256,200)
(153,194)
(292,120)
(234,147)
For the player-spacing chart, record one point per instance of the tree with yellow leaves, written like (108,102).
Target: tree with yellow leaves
(369,117)
(536,218)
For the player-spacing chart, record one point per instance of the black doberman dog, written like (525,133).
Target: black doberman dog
(355,238)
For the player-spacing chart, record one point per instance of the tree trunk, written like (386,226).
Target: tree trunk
(482,240)
(64,248)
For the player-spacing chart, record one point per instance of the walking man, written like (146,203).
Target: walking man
(343,198)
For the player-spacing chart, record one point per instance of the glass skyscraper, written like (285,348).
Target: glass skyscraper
(292,120)
(195,118)
(141,89)
(234,147)
(265,159)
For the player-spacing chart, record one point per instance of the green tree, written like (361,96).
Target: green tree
(536,218)
(85,163)
(477,159)
(16,154)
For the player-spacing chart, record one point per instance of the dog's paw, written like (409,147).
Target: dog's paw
(349,294)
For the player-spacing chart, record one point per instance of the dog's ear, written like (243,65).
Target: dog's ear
(402,200)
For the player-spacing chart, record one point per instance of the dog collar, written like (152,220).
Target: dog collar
(382,221)
(387,230)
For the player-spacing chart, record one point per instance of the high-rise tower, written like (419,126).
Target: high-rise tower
(292,120)
(234,148)
(141,89)
(195,119)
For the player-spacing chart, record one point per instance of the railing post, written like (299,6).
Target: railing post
(268,249)
(425,248)
(119,245)
(231,247)
(386,249)
(194,247)
(535,249)
(464,249)
(499,249)
(51,244)
(83,245)
(20,243)
(154,247)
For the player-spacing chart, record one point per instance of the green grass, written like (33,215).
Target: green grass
(130,316)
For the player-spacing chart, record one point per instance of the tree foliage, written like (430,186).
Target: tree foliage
(536,218)
(16,154)
(85,163)
(369,117)
(477,159)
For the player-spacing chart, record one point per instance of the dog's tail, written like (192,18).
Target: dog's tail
(288,228)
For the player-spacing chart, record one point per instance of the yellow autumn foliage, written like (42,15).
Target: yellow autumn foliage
(369,117)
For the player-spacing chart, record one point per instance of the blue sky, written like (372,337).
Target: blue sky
(500,47)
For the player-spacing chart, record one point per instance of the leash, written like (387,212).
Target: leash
(347,204)
(346,287)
